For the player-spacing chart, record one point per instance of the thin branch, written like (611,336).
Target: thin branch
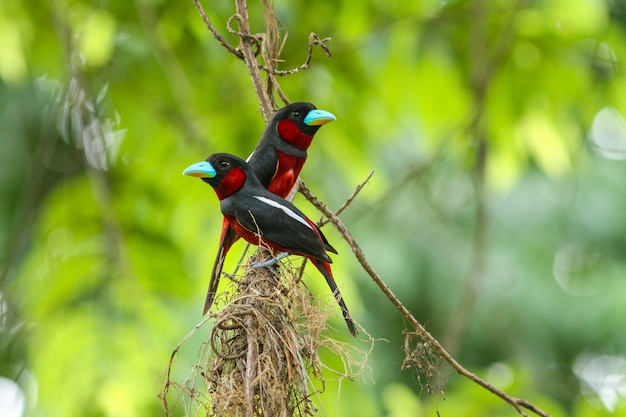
(168,373)
(215,33)
(313,41)
(349,200)
(267,44)
(516,403)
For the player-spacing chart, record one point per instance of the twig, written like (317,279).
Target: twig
(215,33)
(516,403)
(349,200)
(313,40)
(168,373)
(267,43)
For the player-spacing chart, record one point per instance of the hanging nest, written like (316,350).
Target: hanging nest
(262,354)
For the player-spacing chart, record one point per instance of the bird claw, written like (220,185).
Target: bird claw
(270,262)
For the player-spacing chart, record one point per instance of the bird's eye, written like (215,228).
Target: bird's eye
(224,164)
(295,114)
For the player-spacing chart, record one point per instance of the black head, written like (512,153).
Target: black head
(306,117)
(224,172)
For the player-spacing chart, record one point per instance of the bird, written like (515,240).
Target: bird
(261,217)
(276,161)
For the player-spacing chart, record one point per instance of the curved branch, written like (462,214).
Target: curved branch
(265,44)
(215,33)
(349,200)
(313,40)
(516,403)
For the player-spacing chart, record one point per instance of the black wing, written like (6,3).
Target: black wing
(281,223)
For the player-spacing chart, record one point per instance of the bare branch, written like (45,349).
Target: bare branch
(516,403)
(313,40)
(349,200)
(168,373)
(214,31)
(268,45)
(271,47)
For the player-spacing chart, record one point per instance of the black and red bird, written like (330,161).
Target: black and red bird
(276,161)
(257,215)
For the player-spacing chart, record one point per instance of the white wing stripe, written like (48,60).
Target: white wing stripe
(286,210)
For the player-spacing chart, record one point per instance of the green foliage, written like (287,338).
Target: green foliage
(105,248)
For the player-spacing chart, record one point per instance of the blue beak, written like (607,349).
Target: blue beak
(200,170)
(318,117)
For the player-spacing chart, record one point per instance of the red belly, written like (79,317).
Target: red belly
(252,236)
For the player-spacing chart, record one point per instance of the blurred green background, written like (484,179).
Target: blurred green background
(497,211)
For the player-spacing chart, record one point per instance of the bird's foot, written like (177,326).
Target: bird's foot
(270,262)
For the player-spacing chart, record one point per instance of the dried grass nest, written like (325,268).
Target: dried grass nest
(262,354)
